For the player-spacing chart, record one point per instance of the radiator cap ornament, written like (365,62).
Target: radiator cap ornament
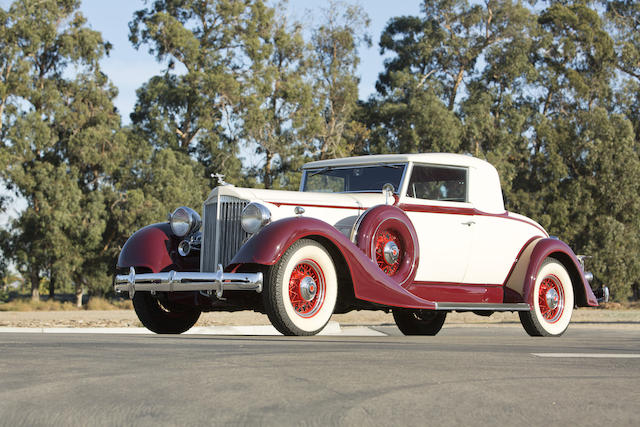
(220,178)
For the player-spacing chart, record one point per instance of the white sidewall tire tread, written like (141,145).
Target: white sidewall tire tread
(552,267)
(287,320)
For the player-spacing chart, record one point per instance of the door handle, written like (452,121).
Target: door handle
(469,223)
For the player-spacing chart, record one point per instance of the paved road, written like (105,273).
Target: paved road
(464,376)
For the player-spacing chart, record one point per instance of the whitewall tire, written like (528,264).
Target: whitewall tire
(553,301)
(301,289)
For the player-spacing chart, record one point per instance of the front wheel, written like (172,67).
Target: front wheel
(163,319)
(552,303)
(301,289)
(419,322)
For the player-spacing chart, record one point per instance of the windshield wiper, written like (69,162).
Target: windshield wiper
(323,170)
(387,165)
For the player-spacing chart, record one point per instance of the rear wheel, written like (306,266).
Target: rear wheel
(552,304)
(301,289)
(419,322)
(163,319)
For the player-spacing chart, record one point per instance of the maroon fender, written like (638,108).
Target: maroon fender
(369,282)
(150,247)
(554,248)
(389,223)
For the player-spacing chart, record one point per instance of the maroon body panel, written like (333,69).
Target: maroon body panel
(369,282)
(458,292)
(390,217)
(554,248)
(150,247)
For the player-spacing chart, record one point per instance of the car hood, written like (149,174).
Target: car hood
(282,203)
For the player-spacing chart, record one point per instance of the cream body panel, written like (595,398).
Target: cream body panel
(445,242)
(497,241)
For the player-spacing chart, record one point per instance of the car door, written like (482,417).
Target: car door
(436,201)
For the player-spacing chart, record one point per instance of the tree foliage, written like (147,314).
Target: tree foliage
(335,42)
(548,92)
(57,138)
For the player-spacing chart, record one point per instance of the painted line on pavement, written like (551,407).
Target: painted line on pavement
(590,355)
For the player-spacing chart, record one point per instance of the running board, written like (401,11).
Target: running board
(473,306)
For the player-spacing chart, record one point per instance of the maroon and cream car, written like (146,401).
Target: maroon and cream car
(420,235)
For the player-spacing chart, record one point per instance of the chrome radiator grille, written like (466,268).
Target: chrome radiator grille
(223,234)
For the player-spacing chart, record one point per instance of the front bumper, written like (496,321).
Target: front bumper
(175,281)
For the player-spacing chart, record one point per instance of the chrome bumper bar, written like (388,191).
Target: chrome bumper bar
(175,281)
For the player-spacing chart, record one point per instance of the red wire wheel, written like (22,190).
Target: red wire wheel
(300,290)
(306,288)
(388,250)
(551,298)
(551,301)
(387,236)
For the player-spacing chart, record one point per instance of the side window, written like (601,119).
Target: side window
(438,183)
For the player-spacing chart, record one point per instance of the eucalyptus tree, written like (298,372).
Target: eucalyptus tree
(335,41)
(623,19)
(279,115)
(191,108)
(58,146)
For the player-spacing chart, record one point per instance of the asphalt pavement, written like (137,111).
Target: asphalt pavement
(474,375)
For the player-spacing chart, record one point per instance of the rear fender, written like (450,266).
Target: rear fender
(369,282)
(519,286)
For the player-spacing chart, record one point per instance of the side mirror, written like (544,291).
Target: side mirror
(387,191)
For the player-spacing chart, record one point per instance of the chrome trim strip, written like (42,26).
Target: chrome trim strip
(472,306)
(216,248)
(177,281)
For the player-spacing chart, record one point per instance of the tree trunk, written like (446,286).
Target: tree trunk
(267,171)
(79,295)
(35,287)
(52,287)
(456,85)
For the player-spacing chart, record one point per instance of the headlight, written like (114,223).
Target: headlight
(184,221)
(254,217)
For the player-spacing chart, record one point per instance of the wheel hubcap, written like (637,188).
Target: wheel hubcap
(391,253)
(306,288)
(551,299)
(387,250)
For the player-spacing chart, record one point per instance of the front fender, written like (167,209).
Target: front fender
(540,250)
(369,282)
(151,247)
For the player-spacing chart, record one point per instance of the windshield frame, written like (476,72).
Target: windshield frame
(306,173)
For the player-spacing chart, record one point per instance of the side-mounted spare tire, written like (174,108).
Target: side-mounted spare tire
(387,236)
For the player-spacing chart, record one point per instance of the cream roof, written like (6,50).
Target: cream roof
(484,183)
(433,158)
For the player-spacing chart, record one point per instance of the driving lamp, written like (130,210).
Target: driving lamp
(184,221)
(254,217)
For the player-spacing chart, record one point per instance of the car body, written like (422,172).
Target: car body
(420,235)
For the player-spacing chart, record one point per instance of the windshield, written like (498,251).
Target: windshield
(353,179)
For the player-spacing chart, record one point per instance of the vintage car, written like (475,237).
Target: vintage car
(419,235)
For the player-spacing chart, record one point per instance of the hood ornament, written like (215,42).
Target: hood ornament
(220,178)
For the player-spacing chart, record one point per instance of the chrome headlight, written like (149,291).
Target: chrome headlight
(184,221)
(254,217)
